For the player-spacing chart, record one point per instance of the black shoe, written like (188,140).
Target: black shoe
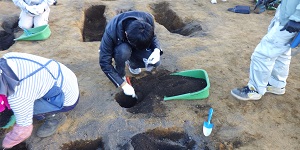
(55,2)
(51,124)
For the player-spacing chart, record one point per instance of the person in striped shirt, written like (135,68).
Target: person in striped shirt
(35,87)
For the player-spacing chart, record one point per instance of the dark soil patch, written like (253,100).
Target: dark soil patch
(10,24)
(6,40)
(162,139)
(151,90)
(5,117)
(165,16)
(2,131)
(127,101)
(94,23)
(84,145)
(21,146)
(237,142)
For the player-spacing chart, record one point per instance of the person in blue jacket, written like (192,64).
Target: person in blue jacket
(270,61)
(129,38)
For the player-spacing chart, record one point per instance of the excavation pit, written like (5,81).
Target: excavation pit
(152,88)
(10,26)
(94,23)
(173,23)
(84,145)
(6,40)
(164,139)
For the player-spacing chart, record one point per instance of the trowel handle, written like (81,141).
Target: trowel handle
(295,41)
(210,112)
(128,80)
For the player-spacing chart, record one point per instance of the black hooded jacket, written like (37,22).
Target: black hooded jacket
(113,36)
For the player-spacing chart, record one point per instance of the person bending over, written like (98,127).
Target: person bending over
(129,38)
(34,87)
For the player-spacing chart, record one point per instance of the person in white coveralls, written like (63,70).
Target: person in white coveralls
(34,13)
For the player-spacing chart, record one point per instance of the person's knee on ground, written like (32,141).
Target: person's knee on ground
(25,21)
(23,25)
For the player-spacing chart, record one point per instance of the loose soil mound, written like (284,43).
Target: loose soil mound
(151,90)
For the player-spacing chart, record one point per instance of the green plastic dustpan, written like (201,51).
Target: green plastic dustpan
(35,34)
(198,73)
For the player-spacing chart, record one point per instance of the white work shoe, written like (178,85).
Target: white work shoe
(133,71)
(275,90)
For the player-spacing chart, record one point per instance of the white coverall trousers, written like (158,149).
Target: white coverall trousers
(26,21)
(271,58)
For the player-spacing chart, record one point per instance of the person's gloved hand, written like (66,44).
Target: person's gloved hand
(291,26)
(40,9)
(32,10)
(17,135)
(128,90)
(154,57)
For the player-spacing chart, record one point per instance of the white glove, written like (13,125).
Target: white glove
(128,90)
(154,57)
(40,9)
(32,10)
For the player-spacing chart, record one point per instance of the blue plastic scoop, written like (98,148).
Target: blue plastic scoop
(207,126)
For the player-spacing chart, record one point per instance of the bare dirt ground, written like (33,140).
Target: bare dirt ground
(194,34)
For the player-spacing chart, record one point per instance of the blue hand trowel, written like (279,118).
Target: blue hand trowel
(207,126)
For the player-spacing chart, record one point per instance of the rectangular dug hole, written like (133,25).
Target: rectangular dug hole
(202,94)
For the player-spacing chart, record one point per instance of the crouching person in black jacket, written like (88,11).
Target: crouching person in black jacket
(129,38)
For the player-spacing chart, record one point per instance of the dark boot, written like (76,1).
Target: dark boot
(51,124)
